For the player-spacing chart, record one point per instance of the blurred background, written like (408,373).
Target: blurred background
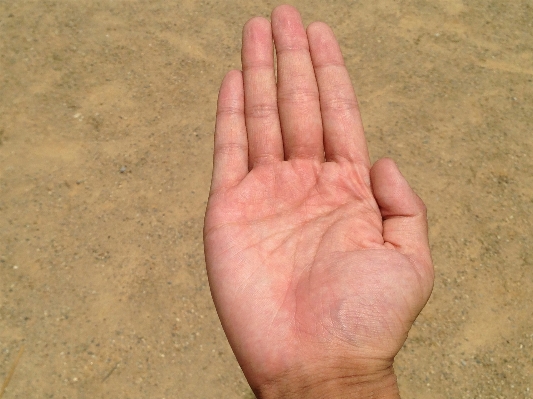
(106,121)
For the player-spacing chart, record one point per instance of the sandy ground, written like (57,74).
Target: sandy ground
(106,120)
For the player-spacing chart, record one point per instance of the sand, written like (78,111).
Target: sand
(106,121)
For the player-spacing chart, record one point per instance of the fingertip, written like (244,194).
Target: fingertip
(235,74)
(232,77)
(256,23)
(257,20)
(257,46)
(319,28)
(385,171)
(320,36)
(386,163)
(230,86)
(231,94)
(288,18)
(393,193)
(284,9)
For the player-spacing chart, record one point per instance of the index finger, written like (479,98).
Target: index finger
(344,136)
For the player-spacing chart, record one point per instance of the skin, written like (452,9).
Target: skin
(318,261)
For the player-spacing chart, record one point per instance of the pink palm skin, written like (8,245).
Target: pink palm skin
(318,263)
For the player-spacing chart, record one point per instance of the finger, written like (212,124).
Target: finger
(403,212)
(344,136)
(260,102)
(230,161)
(298,100)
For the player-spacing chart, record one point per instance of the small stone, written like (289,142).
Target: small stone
(122,169)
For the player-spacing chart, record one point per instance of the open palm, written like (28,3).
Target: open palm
(315,258)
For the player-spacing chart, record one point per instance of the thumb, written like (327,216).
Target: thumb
(403,212)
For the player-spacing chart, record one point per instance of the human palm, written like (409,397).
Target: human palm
(313,256)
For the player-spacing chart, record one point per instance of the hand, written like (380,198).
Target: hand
(318,263)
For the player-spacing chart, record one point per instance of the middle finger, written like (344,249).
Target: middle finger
(298,99)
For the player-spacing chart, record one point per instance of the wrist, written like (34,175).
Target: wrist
(331,384)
